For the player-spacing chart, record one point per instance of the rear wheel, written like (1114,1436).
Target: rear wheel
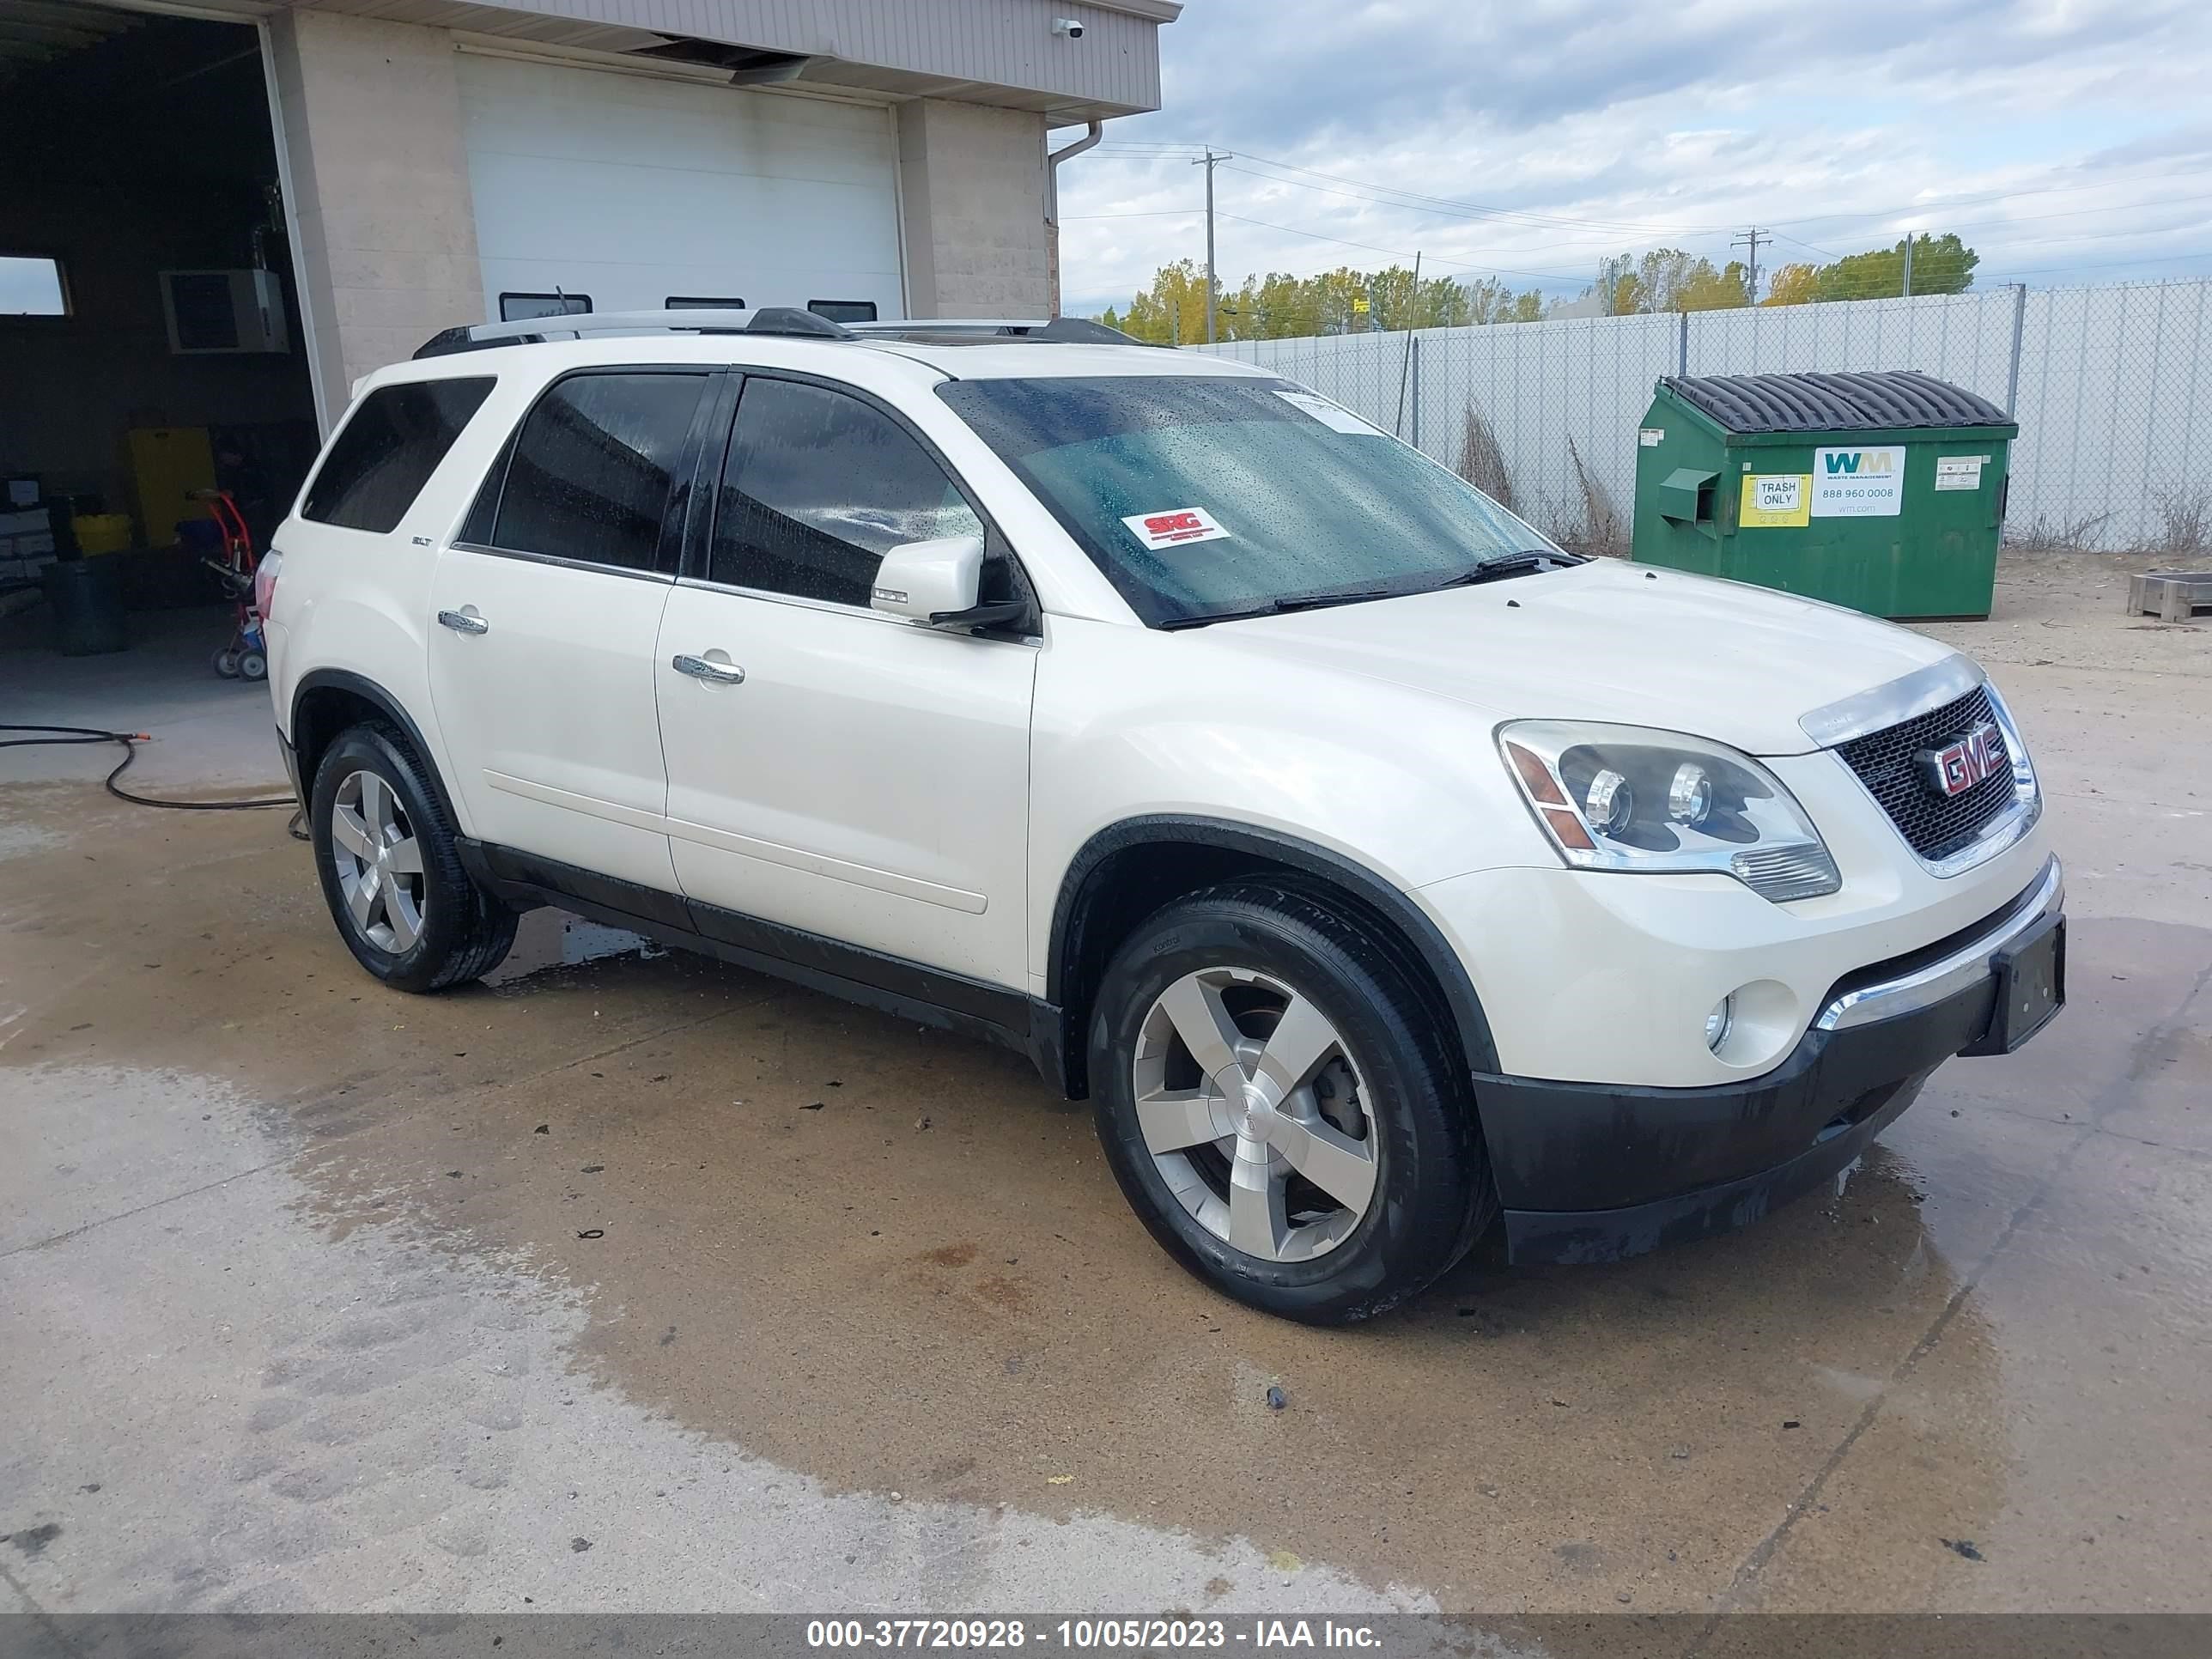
(391,872)
(1281,1108)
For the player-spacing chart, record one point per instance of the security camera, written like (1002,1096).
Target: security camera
(1070,27)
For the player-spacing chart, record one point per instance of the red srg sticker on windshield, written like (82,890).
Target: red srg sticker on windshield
(1171,528)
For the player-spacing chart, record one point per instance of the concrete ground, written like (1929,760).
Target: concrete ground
(632,1281)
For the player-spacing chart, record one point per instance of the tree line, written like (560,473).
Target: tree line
(1172,310)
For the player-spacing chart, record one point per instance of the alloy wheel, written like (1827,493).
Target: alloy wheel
(379,862)
(1254,1110)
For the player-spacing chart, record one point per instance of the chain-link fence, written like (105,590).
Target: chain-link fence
(2111,387)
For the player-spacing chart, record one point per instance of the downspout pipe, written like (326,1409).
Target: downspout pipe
(1092,135)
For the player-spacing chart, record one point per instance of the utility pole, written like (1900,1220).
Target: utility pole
(1751,238)
(1908,265)
(1209,163)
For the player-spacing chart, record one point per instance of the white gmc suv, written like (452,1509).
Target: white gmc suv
(1376,868)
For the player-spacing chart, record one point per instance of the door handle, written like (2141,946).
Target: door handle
(702,668)
(462,622)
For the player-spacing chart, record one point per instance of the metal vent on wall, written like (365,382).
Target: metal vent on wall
(749,66)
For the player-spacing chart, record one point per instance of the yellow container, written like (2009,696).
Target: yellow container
(169,463)
(102,532)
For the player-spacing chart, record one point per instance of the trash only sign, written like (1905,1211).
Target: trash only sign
(1858,484)
(1773,500)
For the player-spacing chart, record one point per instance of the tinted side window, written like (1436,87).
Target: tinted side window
(593,467)
(817,487)
(483,511)
(379,463)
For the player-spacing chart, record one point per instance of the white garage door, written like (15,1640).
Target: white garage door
(633,192)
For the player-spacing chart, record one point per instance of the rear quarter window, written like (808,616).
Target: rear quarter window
(383,455)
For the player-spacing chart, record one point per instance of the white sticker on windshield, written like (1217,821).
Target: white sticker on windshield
(1171,529)
(1335,416)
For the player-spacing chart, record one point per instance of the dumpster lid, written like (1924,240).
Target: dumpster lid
(1809,403)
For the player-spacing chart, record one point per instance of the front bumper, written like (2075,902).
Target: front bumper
(1592,1172)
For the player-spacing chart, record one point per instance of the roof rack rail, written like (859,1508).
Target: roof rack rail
(531,330)
(1057,331)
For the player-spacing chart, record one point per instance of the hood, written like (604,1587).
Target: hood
(1609,640)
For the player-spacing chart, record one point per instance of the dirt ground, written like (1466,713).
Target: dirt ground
(631,1280)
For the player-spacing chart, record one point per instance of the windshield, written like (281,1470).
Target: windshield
(1207,497)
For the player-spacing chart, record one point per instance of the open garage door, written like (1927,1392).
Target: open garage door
(606,192)
(151,335)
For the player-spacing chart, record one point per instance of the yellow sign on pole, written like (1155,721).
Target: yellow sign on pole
(1773,500)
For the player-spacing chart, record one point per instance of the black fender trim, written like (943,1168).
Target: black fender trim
(340,679)
(889,984)
(1077,893)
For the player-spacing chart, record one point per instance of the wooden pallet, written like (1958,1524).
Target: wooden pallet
(2170,595)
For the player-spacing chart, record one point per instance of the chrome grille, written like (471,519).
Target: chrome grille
(1935,826)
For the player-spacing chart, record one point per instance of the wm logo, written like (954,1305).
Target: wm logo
(1847,463)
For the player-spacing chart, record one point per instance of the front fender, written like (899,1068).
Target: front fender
(1142,733)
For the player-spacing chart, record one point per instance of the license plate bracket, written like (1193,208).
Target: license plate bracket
(2031,988)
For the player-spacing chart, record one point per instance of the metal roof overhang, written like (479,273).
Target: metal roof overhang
(892,50)
(32,31)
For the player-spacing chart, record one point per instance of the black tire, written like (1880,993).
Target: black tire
(1434,1193)
(466,932)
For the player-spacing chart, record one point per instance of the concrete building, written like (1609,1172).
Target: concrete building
(220,213)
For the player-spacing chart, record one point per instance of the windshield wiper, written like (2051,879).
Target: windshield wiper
(1528,558)
(1527,561)
(1276,607)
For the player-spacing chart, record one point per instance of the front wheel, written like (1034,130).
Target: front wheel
(1282,1107)
(391,873)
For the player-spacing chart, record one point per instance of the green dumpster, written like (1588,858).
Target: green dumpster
(1882,492)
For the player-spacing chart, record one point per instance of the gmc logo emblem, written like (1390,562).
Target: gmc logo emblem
(1954,770)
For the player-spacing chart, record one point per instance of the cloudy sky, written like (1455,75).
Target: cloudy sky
(2067,140)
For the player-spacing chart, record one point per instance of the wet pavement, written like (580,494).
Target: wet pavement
(632,1280)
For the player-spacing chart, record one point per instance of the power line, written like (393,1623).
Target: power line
(1150,213)
(2101,264)
(1752,240)
(1592,229)
(1999,196)
(1390,193)
(1766,236)
(1392,196)
(1475,209)
(1824,253)
(1397,253)
(1596,233)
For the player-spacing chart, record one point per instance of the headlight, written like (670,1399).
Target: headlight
(1623,797)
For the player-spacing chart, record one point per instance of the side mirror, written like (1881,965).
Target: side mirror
(939,584)
(929,581)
